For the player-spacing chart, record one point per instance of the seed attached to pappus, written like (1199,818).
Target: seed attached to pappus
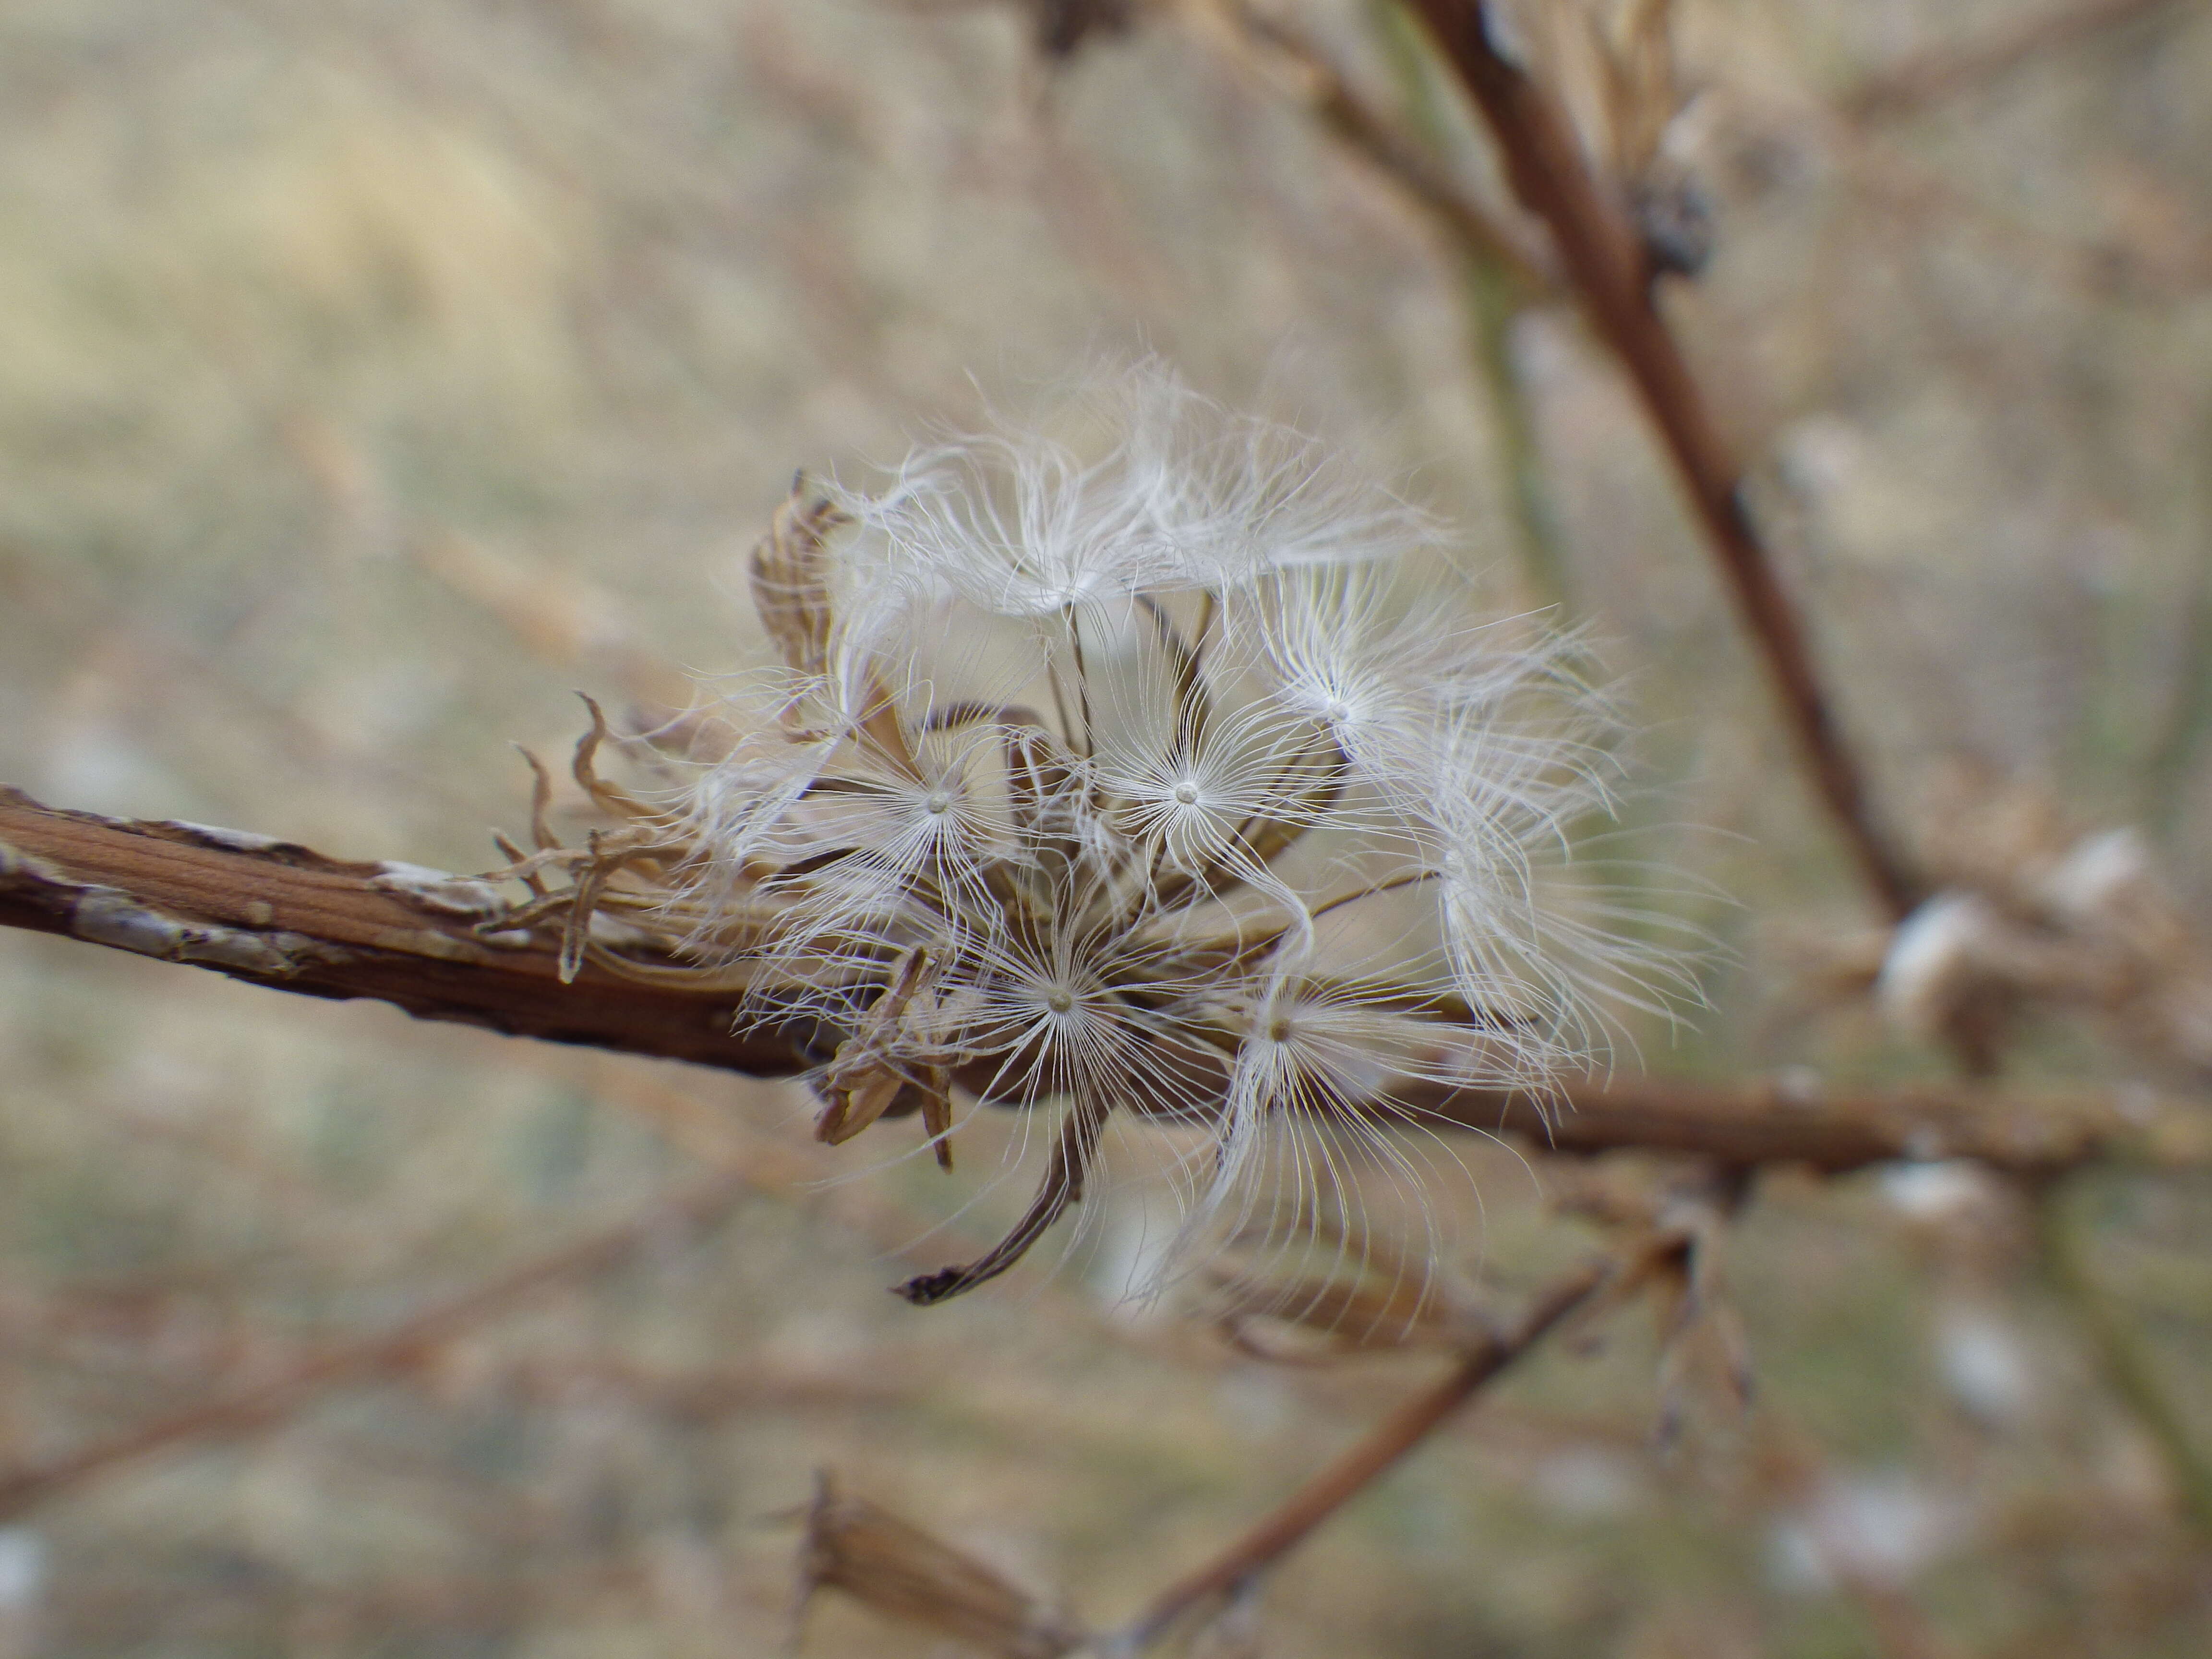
(1152,782)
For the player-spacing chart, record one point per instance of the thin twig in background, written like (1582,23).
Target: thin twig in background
(748,1164)
(1479,232)
(279,916)
(1503,269)
(1905,89)
(697,1206)
(1610,272)
(2127,1364)
(1266,1544)
(1607,265)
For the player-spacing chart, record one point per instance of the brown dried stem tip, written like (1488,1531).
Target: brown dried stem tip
(896,1568)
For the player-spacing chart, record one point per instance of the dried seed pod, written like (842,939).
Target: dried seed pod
(904,1574)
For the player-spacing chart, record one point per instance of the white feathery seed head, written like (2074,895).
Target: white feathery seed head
(1153,784)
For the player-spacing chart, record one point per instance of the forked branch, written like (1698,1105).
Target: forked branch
(1236,1567)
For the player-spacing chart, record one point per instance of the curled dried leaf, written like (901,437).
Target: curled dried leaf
(609,797)
(872,1077)
(1065,1174)
(521,865)
(935,1087)
(541,801)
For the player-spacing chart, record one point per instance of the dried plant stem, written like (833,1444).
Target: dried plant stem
(1292,1521)
(279,916)
(2119,1349)
(1606,265)
(1479,232)
(694,1207)
(1745,1126)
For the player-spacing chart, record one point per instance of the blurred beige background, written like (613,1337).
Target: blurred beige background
(373,372)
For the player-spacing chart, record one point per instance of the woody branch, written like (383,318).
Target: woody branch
(280,915)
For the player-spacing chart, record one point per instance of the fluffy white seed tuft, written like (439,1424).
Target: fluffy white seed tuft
(1150,782)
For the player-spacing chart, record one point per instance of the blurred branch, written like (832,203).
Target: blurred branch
(277,914)
(560,616)
(2120,1352)
(696,1207)
(1479,232)
(1496,298)
(1607,266)
(1505,266)
(1745,1126)
(1905,89)
(1236,1567)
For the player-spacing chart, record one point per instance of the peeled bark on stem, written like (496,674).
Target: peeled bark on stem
(278,914)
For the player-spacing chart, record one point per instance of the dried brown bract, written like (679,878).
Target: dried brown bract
(894,1567)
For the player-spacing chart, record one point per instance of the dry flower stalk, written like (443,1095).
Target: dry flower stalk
(1607,261)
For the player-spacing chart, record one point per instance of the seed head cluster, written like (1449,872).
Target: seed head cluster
(1146,781)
